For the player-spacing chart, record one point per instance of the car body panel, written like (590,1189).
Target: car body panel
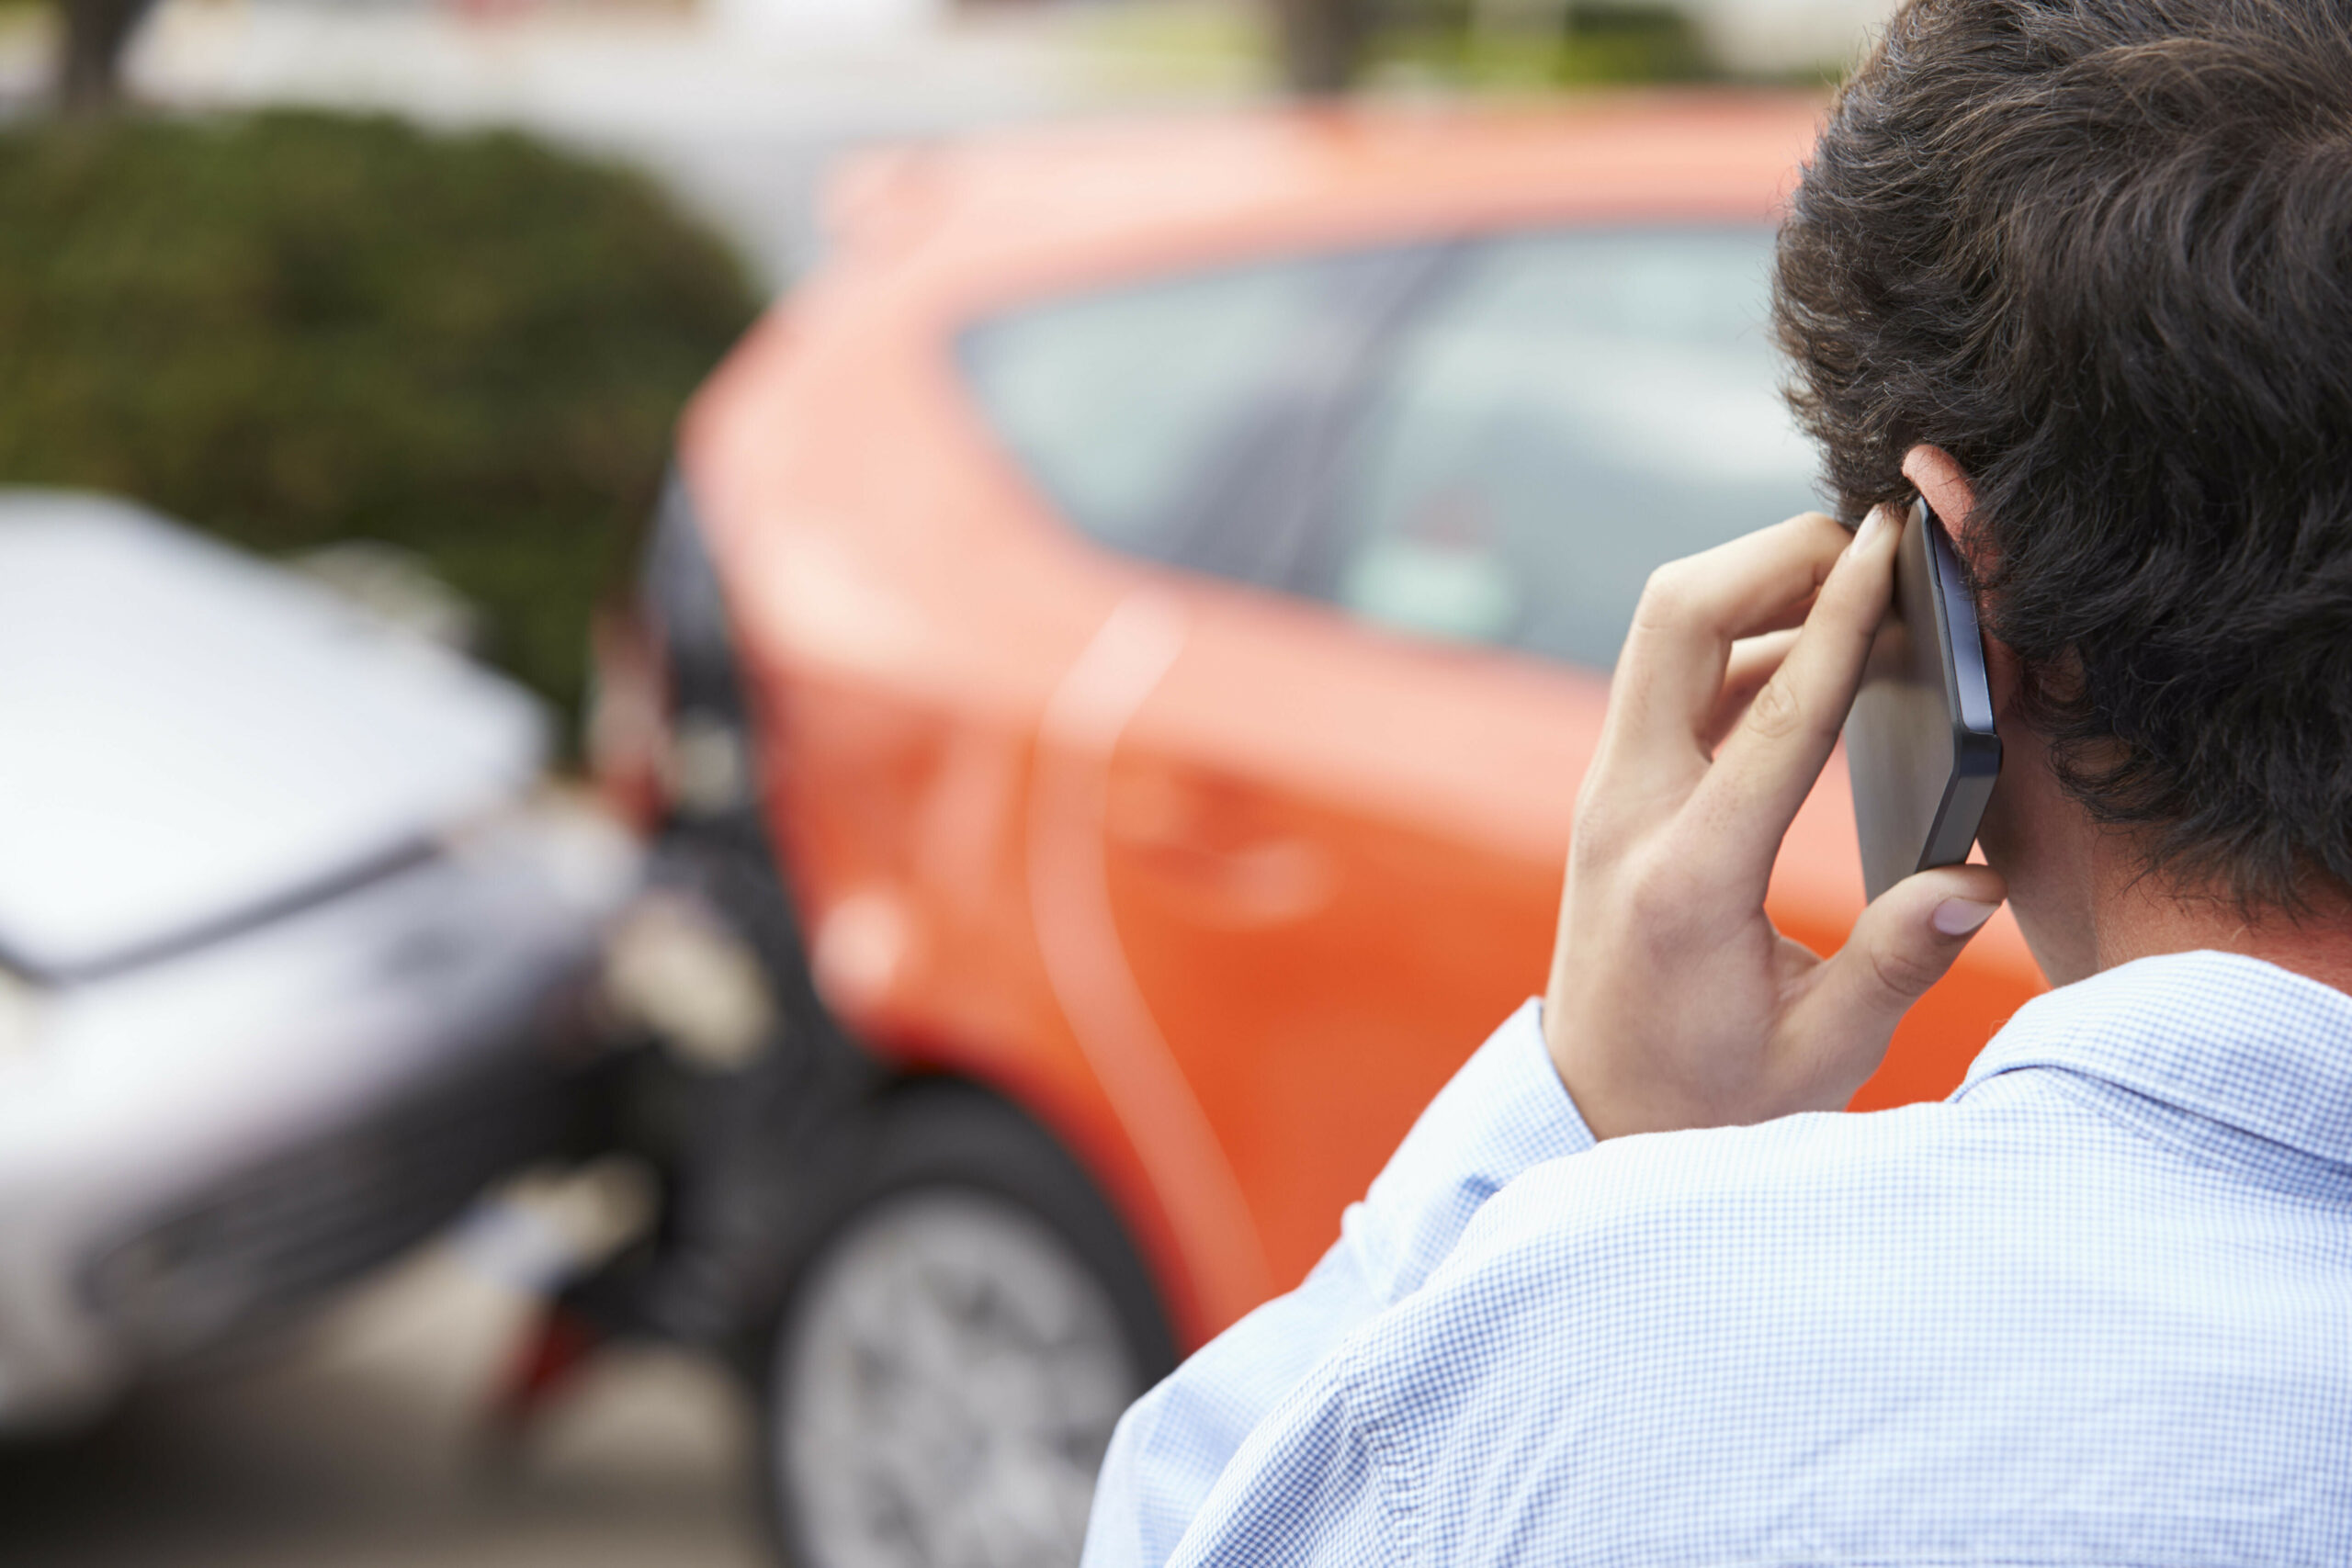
(1220,884)
(187,736)
(147,1092)
(301,950)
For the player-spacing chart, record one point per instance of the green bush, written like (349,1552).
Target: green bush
(1582,43)
(296,329)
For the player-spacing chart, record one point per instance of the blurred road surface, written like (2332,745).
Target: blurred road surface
(358,1445)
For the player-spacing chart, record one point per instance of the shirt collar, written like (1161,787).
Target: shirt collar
(2232,1038)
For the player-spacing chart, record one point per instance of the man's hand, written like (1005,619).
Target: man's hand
(1673,1002)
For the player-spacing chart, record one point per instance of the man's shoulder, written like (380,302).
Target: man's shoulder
(1904,1319)
(1812,1171)
(1696,1289)
(1802,1229)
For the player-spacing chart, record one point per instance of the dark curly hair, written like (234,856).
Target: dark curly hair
(2100,252)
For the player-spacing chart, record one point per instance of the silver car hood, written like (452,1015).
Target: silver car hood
(188,735)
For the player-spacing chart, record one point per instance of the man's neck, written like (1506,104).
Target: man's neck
(2140,919)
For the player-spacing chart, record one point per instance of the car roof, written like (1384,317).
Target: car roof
(1079,196)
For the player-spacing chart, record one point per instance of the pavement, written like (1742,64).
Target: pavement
(359,1443)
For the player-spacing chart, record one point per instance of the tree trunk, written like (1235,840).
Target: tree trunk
(89,73)
(1321,43)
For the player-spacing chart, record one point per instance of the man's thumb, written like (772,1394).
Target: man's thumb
(1904,943)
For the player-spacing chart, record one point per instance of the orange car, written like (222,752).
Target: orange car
(1154,589)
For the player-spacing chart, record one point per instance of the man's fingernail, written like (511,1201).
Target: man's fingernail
(1958,916)
(1878,518)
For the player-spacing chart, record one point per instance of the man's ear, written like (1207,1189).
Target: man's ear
(1952,498)
(1948,492)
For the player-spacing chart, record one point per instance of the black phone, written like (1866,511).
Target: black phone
(1920,746)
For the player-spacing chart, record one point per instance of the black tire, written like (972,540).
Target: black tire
(961,1209)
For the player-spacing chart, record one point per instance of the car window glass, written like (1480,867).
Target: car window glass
(1118,403)
(1572,410)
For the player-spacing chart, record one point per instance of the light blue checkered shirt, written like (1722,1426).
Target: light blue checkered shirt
(2094,1309)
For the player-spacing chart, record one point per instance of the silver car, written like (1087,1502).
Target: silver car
(297,948)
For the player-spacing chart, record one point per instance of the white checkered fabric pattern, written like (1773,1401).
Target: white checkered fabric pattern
(2095,1309)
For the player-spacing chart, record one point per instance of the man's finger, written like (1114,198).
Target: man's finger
(1904,943)
(1672,667)
(1753,661)
(1769,762)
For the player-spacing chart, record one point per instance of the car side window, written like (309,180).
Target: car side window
(1142,409)
(1569,410)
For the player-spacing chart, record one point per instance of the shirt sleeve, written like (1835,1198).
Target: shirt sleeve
(1504,1111)
(1305,1492)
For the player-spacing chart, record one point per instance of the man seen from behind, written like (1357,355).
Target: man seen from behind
(2079,272)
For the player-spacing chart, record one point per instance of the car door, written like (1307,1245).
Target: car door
(1296,814)
(1176,422)
(1333,815)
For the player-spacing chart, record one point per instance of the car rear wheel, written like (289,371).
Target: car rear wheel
(949,1366)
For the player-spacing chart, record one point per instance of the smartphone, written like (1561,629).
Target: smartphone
(1920,747)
